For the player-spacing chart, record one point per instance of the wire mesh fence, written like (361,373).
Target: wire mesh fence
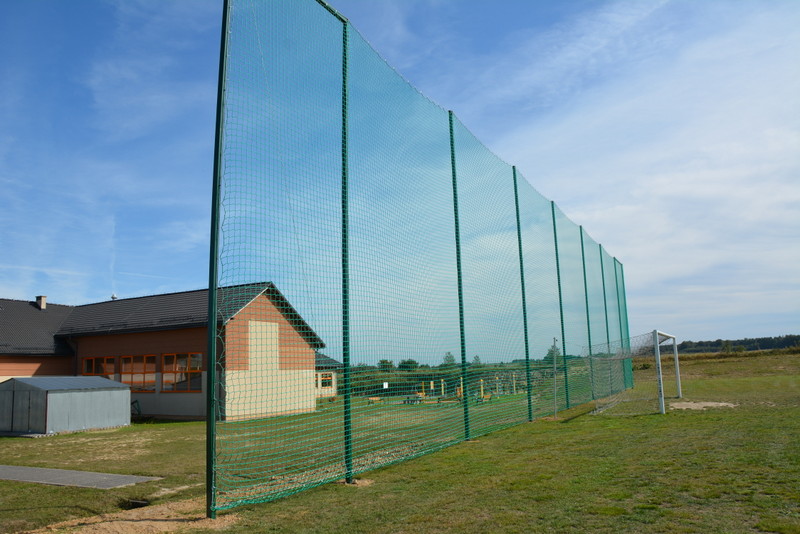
(382,285)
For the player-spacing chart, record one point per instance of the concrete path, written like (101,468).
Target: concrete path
(63,477)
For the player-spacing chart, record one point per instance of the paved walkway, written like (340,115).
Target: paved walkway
(63,477)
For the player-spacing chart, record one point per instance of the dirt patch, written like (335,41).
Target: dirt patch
(181,516)
(358,482)
(169,491)
(688,405)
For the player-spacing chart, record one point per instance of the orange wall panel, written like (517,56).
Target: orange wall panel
(295,352)
(36,365)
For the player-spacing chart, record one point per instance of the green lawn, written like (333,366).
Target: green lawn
(717,470)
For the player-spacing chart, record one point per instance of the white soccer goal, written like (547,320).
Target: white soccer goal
(628,376)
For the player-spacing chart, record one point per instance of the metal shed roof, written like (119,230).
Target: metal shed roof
(63,383)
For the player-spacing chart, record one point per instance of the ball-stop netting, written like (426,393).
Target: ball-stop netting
(382,284)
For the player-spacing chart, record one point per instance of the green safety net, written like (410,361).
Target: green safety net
(382,285)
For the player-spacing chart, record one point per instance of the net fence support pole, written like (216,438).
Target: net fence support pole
(588,319)
(348,430)
(625,343)
(586,293)
(524,299)
(619,303)
(605,298)
(624,302)
(560,305)
(660,382)
(211,357)
(626,328)
(464,376)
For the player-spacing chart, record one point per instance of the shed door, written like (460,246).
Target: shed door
(6,410)
(21,413)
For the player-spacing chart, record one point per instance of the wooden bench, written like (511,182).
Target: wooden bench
(373,400)
(484,398)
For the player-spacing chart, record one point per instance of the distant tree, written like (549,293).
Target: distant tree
(449,360)
(386,365)
(552,353)
(476,361)
(726,347)
(407,365)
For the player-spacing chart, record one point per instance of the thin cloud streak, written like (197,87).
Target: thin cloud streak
(687,171)
(671,131)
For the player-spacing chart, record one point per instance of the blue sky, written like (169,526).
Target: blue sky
(669,129)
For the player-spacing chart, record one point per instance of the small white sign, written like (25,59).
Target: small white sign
(386,385)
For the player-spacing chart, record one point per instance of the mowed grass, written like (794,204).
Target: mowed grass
(716,470)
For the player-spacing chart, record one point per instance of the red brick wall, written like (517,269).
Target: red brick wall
(161,342)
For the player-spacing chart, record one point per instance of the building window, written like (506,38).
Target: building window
(139,372)
(103,366)
(326,380)
(182,373)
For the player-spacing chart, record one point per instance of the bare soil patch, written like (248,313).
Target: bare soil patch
(180,516)
(688,405)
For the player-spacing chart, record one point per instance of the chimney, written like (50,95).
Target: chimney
(41,302)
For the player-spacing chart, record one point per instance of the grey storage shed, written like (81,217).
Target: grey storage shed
(52,404)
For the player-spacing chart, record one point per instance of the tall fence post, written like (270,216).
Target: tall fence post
(348,430)
(623,333)
(586,293)
(605,299)
(524,298)
(624,303)
(464,377)
(619,303)
(212,334)
(588,315)
(560,306)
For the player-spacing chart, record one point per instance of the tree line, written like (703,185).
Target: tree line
(740,345)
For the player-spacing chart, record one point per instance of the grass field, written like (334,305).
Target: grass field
(715,470)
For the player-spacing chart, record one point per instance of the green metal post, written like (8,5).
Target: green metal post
(605,299)
(524,299)
(560,306)
(588,317)
(586,293)
(625,304)
(619,304)
(624,318)
(348,430)
(346,379)
(464,376)
(625,342)
(213,324)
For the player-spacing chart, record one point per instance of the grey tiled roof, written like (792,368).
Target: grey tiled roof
(324,363)
(25,329)
(156,312)
(169,311)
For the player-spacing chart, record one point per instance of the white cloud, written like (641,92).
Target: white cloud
(686,169)
(669,129)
